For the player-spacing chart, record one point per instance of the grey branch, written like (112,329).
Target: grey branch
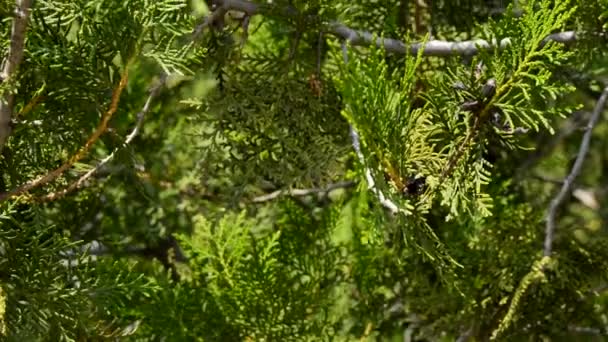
(439,48)
(576,169)
(303,192)
(11,64)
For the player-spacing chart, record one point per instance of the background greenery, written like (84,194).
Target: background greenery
(239,209)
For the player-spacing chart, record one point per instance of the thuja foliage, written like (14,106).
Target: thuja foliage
(288,170)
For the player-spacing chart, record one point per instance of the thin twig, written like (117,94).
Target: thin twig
(548,179)
(15,55)
(302,192)
(209,20)
(576,169)
(97,133)
(101,128)
(167,251)
(439,48)
(544,147)
(588,330)
(140,119)
(465,336)
(471,135)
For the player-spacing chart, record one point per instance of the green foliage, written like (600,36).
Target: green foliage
(52,296)
(291,287)
(241,211)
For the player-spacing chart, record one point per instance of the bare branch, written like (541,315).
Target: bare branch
(15,55)
(439,48)
(303,192)
(576,169)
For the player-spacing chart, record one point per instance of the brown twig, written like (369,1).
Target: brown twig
(15,55)
(101,128)
(576,169)
(471,135)
(35,101)
(140,119)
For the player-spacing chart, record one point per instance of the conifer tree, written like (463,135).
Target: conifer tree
(303,170)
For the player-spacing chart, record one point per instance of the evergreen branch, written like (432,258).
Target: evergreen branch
(35,101)
(101,128)
(576,169)
(167,251)
(15,55)
(535,275)
(371,184)
(140,119)
(303,192)
(471,135)
(439,48)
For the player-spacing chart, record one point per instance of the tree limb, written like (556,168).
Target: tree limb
(576,169)
(439,48)
(15,55)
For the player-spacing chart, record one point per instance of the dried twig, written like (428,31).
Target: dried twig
(167,251)
(15,55)
(576,169)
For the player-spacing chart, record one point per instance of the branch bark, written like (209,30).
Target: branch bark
(303,192)
(576,169)
(440,48)
(11,64)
